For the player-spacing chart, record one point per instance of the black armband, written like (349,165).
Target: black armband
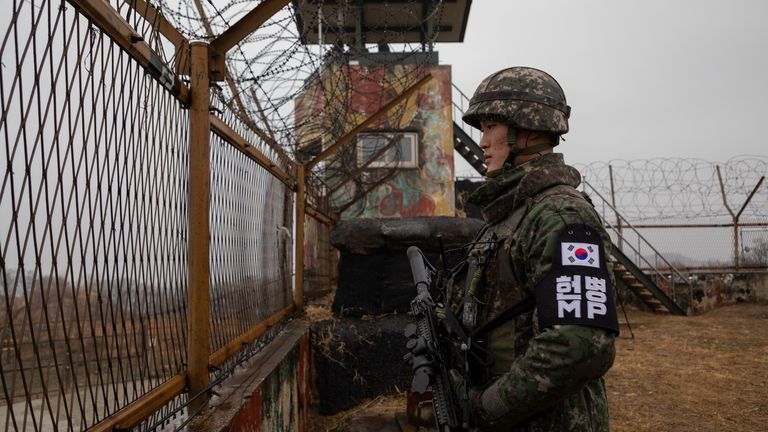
(578,289)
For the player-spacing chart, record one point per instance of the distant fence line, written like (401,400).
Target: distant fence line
(689,190)
(704,216)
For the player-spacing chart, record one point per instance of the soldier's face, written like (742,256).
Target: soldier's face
(494,144)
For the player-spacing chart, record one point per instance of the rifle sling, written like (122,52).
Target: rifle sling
(452,323)
(515,311)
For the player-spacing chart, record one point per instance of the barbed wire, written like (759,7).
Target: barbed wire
(664,189)
(274,70)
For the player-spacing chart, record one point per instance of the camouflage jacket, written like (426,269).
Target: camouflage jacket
(548,371)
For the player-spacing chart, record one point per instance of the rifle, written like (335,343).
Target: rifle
(432,353)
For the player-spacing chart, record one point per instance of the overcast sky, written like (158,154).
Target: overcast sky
(651,78)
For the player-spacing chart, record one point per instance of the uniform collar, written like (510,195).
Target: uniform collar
(507,189)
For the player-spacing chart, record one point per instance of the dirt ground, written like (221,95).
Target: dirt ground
(703,373)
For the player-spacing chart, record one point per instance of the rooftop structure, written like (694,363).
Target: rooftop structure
(355,23)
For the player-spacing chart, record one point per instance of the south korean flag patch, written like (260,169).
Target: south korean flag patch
(578,289)
(580,254)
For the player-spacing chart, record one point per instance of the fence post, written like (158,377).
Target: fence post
(736,254)
(198,349)
(615,209)
(737,218)
(733,218)
(298,294)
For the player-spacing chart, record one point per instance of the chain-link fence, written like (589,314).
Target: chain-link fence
(152,213)
(319,255)
(318,258)
(96,222)
(93,230)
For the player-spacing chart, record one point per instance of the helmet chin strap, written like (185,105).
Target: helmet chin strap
(515,151)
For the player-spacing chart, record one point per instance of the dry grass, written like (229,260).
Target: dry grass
(382,406)
(320,309)
(703,373)
(318,313)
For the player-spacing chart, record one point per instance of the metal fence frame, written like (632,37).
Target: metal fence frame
(203,62)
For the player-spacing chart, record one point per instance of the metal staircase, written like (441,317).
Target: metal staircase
(659,286)
(633,278)
(640,268)
(465,137)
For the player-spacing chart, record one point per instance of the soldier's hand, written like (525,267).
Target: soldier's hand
(458,384)
(463,394)
(440,311)
(486,409)
(489,409)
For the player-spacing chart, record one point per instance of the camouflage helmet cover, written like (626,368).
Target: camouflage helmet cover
(524,97)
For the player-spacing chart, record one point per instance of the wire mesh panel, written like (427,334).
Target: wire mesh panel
(250,243)
(318,263)
(317,257)
(92,223)
(224,110)
(94,211)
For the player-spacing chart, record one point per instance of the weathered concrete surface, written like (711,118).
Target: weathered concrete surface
(371,236)
(715,290)
(358,359)
(374,272)
(270,392)
(761,287)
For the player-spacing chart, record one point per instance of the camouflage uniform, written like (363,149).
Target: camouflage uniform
(548,363)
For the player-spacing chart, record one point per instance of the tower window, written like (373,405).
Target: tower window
(403,153)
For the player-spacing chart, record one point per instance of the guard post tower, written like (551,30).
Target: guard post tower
(375,121)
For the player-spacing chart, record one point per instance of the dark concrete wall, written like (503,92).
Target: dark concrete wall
(358,359)
(374,273)
(358,354)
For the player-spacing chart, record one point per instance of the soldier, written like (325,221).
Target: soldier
(544,245)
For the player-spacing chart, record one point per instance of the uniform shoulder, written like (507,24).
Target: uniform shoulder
(561,208)
(536,241)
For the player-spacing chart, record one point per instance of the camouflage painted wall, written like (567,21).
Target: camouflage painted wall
(270,393)
(352,93)
(714,290)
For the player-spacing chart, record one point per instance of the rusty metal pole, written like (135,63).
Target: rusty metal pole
(198,348)
(615,210)
(733,217)
(298,294)
(736,219)
(736,254)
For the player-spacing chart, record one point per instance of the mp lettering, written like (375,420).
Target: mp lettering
(596,296)
(568,296)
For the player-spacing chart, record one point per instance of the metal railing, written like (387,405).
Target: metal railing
(460,105)
(662,272)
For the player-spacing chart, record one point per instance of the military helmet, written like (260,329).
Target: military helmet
(523,97)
